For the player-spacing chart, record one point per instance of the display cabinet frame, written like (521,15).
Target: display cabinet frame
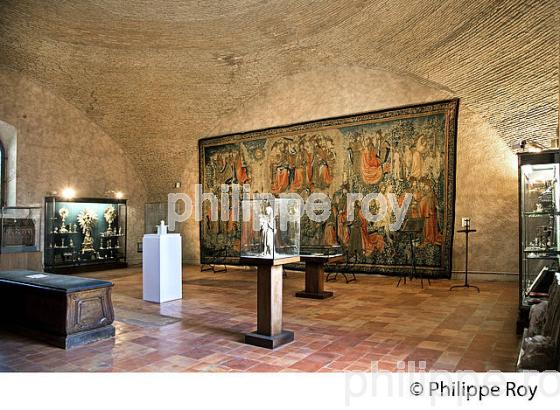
(65,252)
(539,225)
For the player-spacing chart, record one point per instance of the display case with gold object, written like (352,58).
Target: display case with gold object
(87,220)
(84,234)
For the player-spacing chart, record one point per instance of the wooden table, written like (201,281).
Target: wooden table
(269,334)
(315,275)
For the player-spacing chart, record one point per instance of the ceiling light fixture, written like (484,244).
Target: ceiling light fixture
(527,146)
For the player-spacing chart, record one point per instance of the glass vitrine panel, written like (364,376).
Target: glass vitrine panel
(270,228)
(539,222)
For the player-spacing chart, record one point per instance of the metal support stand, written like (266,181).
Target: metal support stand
(466,285)
(331,276)
(414,273)
(413,227)
(404,274)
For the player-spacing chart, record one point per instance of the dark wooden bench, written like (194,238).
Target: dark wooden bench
(66,311)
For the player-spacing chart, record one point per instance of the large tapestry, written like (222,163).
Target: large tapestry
(408,150)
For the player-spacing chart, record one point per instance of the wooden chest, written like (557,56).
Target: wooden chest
(65,311)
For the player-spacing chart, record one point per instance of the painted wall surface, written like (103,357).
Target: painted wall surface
(58,146)
(486,167)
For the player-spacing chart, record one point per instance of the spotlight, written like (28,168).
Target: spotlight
(68,193)
(119,195)
(527,145)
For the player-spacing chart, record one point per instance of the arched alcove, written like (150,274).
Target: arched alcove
(8,148)
(57,146)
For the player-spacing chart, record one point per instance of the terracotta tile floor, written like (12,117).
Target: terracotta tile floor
(367,321)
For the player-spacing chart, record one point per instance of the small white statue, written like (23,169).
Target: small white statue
(267,230)
(162,228)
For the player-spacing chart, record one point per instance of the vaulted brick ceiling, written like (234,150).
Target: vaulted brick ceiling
(156,74)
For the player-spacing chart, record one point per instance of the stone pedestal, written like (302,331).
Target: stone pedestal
(161,267)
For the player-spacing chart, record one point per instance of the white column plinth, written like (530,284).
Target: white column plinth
(161,267)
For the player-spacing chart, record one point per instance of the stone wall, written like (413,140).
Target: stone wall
(8,137)
(58,146)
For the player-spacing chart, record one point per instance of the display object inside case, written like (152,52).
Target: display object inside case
(84,234)
(20,229)
(539,225)
(321,250)
(270,228)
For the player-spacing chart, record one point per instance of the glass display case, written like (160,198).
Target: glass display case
(20,229)
(270,228)
(539,226)
(84,234)
(321,250)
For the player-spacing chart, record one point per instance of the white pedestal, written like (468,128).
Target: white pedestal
(161,266)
